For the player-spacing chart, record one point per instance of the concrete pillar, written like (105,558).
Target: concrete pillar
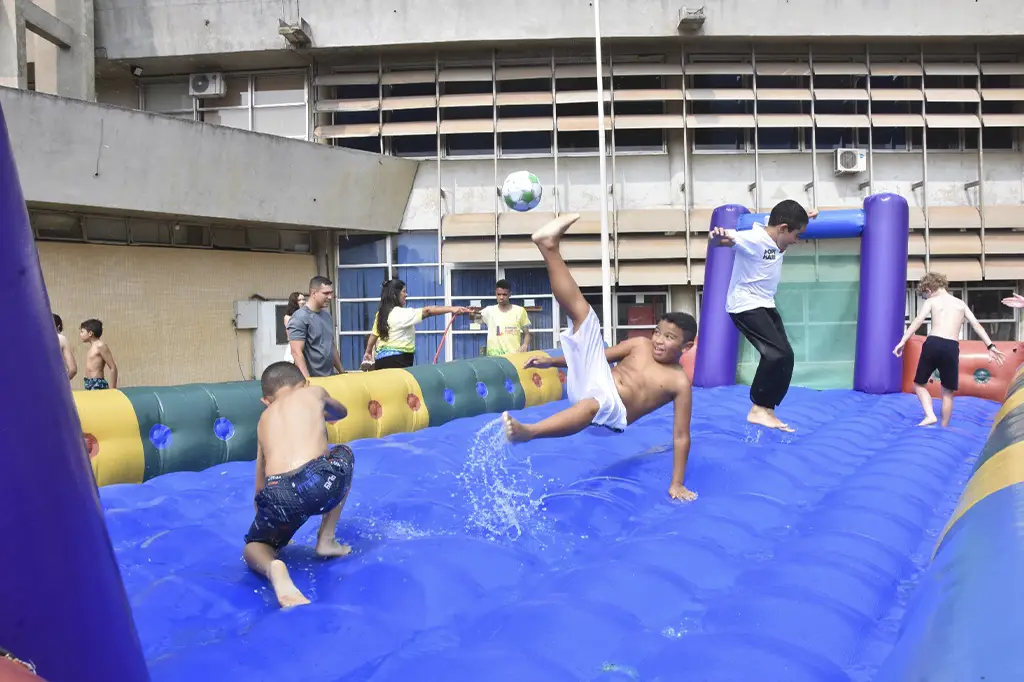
(676,159)
(76,66)
(69,27)
(43,55)
(13,65)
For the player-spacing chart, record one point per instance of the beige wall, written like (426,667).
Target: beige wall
(167,313)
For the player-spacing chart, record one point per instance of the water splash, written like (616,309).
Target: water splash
(501,497)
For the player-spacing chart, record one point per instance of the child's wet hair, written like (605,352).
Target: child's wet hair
(685,322)
(280,375)
(94,327)
(932,282)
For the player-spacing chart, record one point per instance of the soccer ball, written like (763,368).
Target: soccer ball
(521,191)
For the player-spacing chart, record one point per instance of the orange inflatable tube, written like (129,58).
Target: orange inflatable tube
(688,359)
(979,376)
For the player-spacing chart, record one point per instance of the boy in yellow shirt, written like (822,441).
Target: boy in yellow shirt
(508,325)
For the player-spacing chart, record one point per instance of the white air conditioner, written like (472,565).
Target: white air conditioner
(850,161)
(207,85)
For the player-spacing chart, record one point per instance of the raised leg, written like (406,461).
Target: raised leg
(263,559)
(563,286)
(327,544)
(947,407)
(926,405)
(565,423)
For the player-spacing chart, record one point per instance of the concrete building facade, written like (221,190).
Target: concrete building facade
(416,116)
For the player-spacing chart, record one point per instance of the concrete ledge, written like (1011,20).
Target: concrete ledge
(81,155)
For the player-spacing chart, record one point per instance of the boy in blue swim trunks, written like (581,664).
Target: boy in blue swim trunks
(298,475)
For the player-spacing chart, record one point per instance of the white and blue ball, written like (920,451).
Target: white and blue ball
(521,191)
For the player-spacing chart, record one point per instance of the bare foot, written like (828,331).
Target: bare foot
(549,235)
(515,431)
(287,594)
(928,421)
(762,416)
(332,548)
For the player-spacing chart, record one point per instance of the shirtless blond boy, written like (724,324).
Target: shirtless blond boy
(70,366)
(647,376)
(298,475)
(98,357)
(941,351)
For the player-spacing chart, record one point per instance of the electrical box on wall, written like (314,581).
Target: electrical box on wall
(246,314)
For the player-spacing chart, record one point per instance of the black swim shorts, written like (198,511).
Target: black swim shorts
(940,354)
(288,500)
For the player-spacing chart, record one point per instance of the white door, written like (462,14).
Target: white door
(270,342)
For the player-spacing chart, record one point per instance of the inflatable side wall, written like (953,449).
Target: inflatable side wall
(135,434)
(979,376)
(965,619)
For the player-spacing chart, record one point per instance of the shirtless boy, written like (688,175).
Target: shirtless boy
(647,376)
(941,351)
(98,358)
(298,475)
(70,366)
(751,303)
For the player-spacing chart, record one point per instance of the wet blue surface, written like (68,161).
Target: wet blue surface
(565,559)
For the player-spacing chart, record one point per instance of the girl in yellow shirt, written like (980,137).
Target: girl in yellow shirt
(395,338)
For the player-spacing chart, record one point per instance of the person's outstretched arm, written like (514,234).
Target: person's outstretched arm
(108,358)
(993,352)
(432,310)
(681,441)
(926,310)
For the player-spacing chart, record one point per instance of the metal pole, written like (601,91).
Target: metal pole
(606,273)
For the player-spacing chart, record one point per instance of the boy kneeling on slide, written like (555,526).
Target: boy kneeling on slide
(647,376)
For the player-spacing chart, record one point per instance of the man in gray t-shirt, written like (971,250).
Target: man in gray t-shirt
(311,333)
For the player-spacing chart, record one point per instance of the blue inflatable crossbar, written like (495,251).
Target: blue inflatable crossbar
(843,224)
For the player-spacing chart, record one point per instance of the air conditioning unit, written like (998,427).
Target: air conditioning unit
(849,161)
(207,85)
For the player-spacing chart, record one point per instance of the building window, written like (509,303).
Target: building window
(467,120)
(413,132)
(722,139)
(264,103)
(359,106)
(637,313)
(531,133)
(638,140)
(170,98)
(984,300)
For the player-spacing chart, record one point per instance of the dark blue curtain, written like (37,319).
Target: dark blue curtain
(363,250)
(415,247)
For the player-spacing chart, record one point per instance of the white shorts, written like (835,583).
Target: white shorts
(588,374)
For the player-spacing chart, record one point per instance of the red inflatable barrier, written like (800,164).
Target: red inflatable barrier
(688,360)
(979,376)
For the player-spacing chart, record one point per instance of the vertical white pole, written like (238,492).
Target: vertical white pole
(606,273)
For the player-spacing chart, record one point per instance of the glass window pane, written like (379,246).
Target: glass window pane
(288,88)
(106,229)
(166,97)
(997,331)
(229,118)
(263,239)
(351,350)
(283,121)
(987,303)
(415,247)
(640,309)
(360,282)
(363,249)
(358,316)
(236,94)
(468,346)
(420,281)
(528,280)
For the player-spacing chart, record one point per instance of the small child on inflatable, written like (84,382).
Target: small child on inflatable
(941,350)
(298,475)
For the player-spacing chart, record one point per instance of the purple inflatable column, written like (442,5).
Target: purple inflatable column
(883,285)
(717,338)
(63,606)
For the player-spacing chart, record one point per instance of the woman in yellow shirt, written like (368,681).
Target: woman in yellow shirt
(395,338)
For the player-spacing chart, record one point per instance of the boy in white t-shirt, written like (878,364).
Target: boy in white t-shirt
(751,303)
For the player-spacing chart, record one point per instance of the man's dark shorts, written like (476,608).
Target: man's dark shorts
(288,500)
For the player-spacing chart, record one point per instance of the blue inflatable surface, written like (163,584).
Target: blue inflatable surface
(564,560)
